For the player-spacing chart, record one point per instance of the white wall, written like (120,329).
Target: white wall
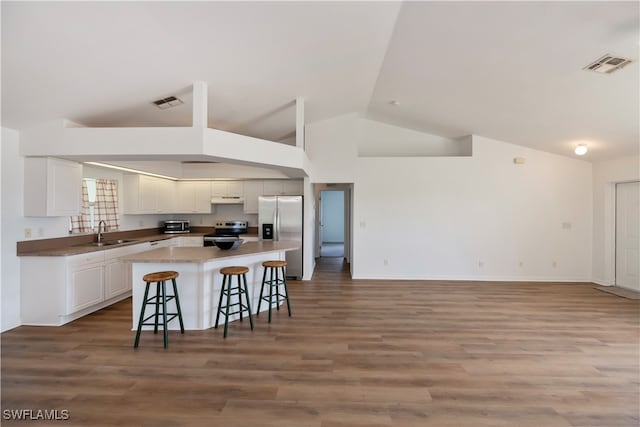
(375,138)
(605,175)
(13,225)
(441,217)
(309,230)
(331,146)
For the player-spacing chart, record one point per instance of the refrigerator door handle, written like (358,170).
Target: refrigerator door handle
(278,227)
(275,223)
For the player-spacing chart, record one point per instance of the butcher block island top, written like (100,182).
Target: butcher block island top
(204,254)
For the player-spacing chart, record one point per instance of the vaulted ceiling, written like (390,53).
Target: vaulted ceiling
(506,70)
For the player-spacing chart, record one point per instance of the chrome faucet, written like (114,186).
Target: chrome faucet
(104,229)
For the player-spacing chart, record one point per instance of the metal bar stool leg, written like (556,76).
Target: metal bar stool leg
(226,314)
(164,315)
(224,281)
(270,293)
(286,291)
(277,285)
(144,306)
(264,276)
(175,294)
(239,296)
(246,295)
(157,316)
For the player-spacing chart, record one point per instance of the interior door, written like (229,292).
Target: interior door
(628,235)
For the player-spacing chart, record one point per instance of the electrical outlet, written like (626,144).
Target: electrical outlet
(40,232)
(554,264)
(141,223)
(386,262)
(480,264)
(521,264)
(27,233)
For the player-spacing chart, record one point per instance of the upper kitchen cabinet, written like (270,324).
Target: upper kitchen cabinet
(193,197)
(148,195)
(52,187)
(252,191)
(283,187)
(226,188)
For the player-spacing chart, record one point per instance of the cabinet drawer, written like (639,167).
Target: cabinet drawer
(88,258)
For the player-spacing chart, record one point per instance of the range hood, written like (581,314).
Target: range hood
(227,200)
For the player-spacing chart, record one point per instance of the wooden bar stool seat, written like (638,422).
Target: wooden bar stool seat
(274,267)
(238,291)
(159,300)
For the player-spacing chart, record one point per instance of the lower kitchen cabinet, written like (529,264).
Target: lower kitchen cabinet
(58,289)
(85,287)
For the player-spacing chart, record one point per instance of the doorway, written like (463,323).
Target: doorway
(627,251)
(332,229)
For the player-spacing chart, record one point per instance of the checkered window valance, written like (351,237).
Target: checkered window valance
(103,208)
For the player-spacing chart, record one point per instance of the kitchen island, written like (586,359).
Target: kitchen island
(200,280)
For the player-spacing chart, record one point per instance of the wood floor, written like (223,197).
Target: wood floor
(355,353)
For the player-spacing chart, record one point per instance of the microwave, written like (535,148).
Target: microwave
(175,226)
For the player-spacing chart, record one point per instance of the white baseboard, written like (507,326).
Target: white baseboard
(602,282)
(480,278)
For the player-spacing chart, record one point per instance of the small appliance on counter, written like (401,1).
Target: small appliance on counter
(175,226)
(226,235)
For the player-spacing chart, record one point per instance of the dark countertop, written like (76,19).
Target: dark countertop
(77,245)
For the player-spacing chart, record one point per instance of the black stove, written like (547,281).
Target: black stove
(225,229)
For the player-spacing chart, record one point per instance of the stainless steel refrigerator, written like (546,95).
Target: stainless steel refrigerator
(280,218)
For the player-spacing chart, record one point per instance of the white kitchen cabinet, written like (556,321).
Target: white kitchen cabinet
(52,187)
(292,187)
(193,197)
(283,187)
(226,188)
(55,290)
(252,191)
(85,285)
(148,195)
(117,274)
(166,195)
(117,278)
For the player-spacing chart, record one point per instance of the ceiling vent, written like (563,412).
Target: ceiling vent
(607,64)
(168,102)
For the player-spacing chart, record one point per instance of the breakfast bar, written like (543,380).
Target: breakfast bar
(200,280)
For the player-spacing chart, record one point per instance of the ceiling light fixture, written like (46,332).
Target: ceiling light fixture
(394,103)
(581,149)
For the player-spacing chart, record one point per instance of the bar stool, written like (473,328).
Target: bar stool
(227,276)
(160,299)
(274,267)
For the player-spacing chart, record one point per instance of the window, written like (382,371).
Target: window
(99,203)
